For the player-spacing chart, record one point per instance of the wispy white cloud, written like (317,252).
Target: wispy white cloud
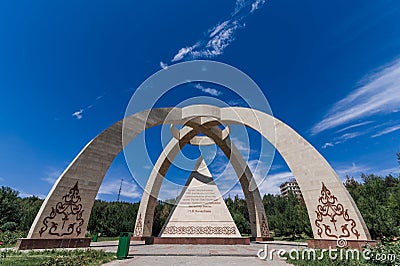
(51,176)
(353,170)
(163,65)
(24,194)
(388,171)
(219,39)
(183,52)
(2,179)
(221,35)
(240,5)
(268,184)
(386,131)
(225,174)
(276,166)
(244,147)
(236,102)
(354,126)
(169,190)
(327,144)
(228,182)
(348,136)
(257,5)
(129,190)
(343,138)
(356,171)
(78,114)
(377,94)
(271,184)
(213,92)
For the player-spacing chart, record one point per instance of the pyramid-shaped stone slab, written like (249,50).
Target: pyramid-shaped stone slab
(200,211)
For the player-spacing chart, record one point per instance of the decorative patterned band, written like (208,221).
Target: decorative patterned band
(200,230)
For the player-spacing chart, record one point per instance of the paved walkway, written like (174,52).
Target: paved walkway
(140,254)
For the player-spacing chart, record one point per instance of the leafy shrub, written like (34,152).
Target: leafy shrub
(382,254)
(10,238)
(385,254)
(78,258)
(9,226)
(55,257)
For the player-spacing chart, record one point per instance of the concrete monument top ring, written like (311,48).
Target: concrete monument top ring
(201,140)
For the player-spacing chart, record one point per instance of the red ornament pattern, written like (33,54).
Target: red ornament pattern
(264,227)
(329,207)
(139,226)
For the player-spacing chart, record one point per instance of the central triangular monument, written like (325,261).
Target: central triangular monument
(200,215)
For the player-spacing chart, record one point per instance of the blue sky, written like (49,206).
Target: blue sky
(329,69)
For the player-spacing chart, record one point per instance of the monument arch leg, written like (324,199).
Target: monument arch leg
(318,182)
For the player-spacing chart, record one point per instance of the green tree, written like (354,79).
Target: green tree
(10,209)
(287,216)
(373,205)
(304,220)
(29,208)
(111,218)
(394,206)
(353,187)
(161,214)
(240,214)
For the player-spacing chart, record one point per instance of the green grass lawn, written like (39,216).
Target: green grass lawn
(55,257)
(107,238)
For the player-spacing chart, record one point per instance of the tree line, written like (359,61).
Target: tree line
(16,212)
(377,198)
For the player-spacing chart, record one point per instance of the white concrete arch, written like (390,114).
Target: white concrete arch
(332,212)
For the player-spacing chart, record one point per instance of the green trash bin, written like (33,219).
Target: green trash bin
(95,237)
(123,245)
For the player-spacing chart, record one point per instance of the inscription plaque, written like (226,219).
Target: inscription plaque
(201,210)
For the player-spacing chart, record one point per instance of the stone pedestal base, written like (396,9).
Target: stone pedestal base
(40,243)
(198,240)
(138,238)
(261,239)
(326,243)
